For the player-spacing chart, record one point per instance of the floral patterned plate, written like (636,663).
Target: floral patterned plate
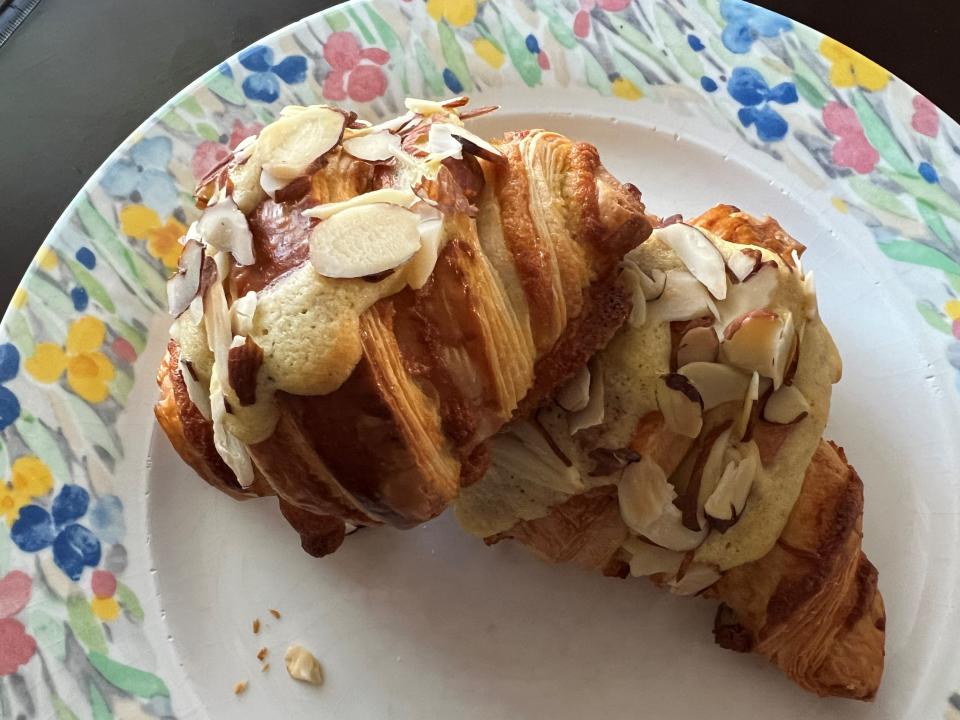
(128,588)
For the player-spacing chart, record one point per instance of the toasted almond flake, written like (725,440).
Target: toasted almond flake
(576,393)
(699,344)
(275,613)
(592,414)
(429,107)
(786,406)
(698,254)
(302,665)
(183,287)
(256,625)
(262,654)
(223,227)
(472,143)
(712,470)
(195,391)
(392,196)
(291,144)
(646,506)
(421,265)
(631,276)
(756,292)
(746,410)
(244,148)
(727,501)
(242,312)
(373,147)
(680,404)
(441,142)
(240,688)
(809,297)
(683,298)
(647,559)
(653,283)
(271,184)
(745,263)
(364,240)
(697,578)
(245,180)
(717,383)
(760,340)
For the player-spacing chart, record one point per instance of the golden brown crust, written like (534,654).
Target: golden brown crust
(586,530)
(443,367)
(811,605)
(735,226)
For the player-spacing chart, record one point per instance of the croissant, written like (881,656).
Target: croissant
(689,451)
(361,307)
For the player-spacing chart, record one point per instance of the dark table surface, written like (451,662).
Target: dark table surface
(79,75)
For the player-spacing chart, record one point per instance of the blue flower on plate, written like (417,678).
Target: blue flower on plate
(746,22)
(748,88)
(74,546)
(9,367)
(142,177)
(263,82)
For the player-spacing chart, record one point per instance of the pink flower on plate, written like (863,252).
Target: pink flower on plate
(16,646)
(581,21)
(355,72)
(209,153)
(852,149)
(925,119)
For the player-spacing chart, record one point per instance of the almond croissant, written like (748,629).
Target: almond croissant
(689,451)
(361,307)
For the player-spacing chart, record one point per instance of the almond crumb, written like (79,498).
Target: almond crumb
(266,666)
(262,654)
(275,613)
(240,688)
(256,626)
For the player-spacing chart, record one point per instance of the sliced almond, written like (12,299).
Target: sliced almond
(244,178)
(224,227)
(716,383)
(754,293)
(680,404)
(592,413)
(630,275)
(713,470)
(530,454)
(745,263)
(699,344)
(575,394)
(653,283)
(472,143)
(432,107)
(290,145)
(647,559)
(699,254)
(646,506)
(683,298)
(183,287)
(198,394)
(242,312)
(393,196)
(786,406)
(746,411)
(760,340)
(245,148)
(364,240)
(271,184)
(421,265)
(373,147)
(697,578)
(809,297)
(243,364)
(727,501)
(441,141)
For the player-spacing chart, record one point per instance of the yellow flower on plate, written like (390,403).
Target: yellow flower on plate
(11,500)
(46,259)
(31,478)
(840,204)
(624,88)
(952,308)
(88,370)
(488,52)
(106,609)
(456,12)
(19,298)
(848,68)
(163,238)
